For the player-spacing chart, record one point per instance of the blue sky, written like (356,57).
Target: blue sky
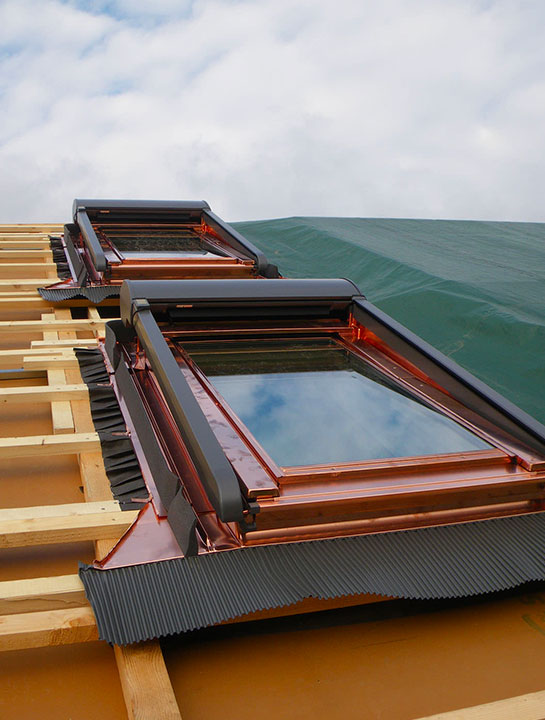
(403,108)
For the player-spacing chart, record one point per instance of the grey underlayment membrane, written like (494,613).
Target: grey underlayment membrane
(120,460)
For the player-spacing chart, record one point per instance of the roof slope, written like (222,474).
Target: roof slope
(472,289)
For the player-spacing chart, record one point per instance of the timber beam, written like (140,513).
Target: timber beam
(46,393)
(26,326)
(42,445)
(75,522)
(47,628)
(39,594)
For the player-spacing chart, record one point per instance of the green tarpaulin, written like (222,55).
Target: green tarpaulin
(474,290)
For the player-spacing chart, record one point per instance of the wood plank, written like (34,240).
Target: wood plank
(15,358)
(522,707)
(39,594)
(23,527)
(51,511)
(23,303)
(31,228)
(145,682)
(39,351)
(22,283)
(27,237)
(61,412)
(11,242)
(41,445)
(19,293)
(40,303)
(64,344)
(23,254)
(96,485)
(47,270)
(50,362)
(48,393)
(26,326)
(54,531)
(43,629)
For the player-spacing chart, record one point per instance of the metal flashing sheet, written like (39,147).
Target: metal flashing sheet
(153,600)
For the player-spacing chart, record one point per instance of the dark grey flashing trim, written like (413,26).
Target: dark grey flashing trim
(239,242)
(90,239)
(464,386)
(166,481)
(120,461)
(252,294)
(79,270)
(95,294)
(214,469)
(181,516)
(135,205)
(116,332)
(153,600)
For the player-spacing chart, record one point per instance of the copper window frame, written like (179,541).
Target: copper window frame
(287,473)
(453,486)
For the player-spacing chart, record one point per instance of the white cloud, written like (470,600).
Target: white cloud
(275,107)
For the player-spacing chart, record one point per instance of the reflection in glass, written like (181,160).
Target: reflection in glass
(156,243)
(165,254)
(313,402)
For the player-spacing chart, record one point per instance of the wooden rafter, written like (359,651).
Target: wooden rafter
(41,445)
(75,522)
(12,242)
(145,682)
(64,344)
(15,284)
(61,410)
(26,326)
(47,393)
(15,358)
(46,270)
(39,229)
(25,254)
(50,627)
(39,594)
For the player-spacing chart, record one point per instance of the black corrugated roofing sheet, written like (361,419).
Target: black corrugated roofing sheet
(94,294)
(153,600)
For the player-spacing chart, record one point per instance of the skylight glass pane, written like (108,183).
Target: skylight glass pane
(165,254)
(134,241)
(311,403)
